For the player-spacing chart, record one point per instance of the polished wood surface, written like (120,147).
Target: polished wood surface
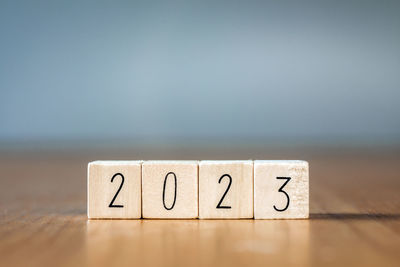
(354,205)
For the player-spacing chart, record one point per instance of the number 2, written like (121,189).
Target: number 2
(281,190)
(112,205)
(226,191)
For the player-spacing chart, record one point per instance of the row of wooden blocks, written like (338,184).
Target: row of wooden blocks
(260,189)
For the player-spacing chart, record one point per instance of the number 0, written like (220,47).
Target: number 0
(163,195)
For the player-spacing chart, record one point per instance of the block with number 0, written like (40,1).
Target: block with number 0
(170,189)
(226,189)
(114,189)
(281,189)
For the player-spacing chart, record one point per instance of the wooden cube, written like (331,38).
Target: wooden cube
(170,189)
(281,189)
(225,189)
(114,189)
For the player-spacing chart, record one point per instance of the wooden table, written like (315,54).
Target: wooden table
(354,204)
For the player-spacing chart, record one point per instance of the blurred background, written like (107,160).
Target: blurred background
(89,73)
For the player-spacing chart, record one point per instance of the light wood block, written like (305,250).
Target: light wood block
(281,189)
(114,189)
(225,189)
(170,189)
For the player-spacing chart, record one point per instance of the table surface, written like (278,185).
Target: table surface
(354,214)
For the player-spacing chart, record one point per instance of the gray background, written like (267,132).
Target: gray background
(210,70)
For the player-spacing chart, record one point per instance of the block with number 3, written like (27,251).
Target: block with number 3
(281,189)
(114,189)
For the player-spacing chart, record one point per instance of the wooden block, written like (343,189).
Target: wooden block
(225,189)
(114,189)
(170,189)
(281,189)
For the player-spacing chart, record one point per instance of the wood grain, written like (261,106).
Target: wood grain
(354,205)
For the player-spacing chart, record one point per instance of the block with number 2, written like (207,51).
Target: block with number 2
(114,189)
(226,189)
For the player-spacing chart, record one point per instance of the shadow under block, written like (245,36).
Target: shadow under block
(170,189)
(114,189)
(281,189)
(225,189)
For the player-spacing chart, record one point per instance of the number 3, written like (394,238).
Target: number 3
(281,190)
